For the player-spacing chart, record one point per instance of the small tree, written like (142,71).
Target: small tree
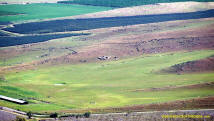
(29,114)
(87,114)
(54,115)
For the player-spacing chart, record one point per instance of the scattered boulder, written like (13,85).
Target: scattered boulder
(45,55)
(103,57)
(74,52)
(116,58)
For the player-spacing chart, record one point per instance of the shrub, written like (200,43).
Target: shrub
(79,115)
(29,114)
(53,115)
(87,114)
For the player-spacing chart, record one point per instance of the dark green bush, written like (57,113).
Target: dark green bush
(29,114)
(87,114)
(54,115)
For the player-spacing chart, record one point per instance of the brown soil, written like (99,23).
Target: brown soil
(202,65)
(147,43)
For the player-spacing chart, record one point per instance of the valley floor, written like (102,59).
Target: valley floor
(140,67)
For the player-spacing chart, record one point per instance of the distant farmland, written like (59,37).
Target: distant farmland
(124,3)
(20,12)
(94,23)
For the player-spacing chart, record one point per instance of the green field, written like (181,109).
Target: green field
(40,11)
(27,1)
(107,84)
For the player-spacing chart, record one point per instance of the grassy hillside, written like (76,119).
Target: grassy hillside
(124,3)
(44,11)
(108,84)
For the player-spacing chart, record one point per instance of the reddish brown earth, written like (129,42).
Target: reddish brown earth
(198,103)
(203,65)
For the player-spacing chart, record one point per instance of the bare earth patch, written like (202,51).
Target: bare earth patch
(203,65)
